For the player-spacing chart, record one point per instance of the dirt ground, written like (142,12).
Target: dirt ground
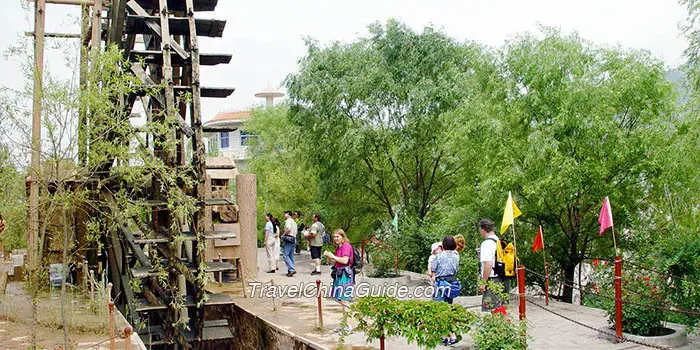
(88,325)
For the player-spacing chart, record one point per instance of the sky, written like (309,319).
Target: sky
(266,38)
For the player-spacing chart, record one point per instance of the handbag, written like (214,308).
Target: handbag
(289,239)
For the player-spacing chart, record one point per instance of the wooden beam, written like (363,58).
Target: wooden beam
(157,30)
(96,32)
(57,35)
(116,27)
(32,240)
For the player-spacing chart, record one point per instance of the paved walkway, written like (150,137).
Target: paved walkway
(298,315)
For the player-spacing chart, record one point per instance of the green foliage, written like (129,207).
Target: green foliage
(13,203)
(497,332)
(374,115)
(421,322)
(468,272)
(569,123)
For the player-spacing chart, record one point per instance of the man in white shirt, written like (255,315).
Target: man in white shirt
(290,233)
(489,301)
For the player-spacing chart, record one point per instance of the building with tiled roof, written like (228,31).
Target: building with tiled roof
(234,144)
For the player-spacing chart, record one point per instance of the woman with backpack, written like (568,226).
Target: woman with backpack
(342,271)
(447,287)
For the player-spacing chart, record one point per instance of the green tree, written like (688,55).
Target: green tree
(566,124)
(374,112)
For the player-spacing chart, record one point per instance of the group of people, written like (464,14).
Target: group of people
(443,265)
(342,259)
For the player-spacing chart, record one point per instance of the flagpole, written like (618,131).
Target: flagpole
(515,247)
(614,240)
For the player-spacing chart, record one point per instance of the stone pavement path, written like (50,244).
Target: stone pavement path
(298,315)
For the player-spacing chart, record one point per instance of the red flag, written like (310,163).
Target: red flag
(605,220)
(538,244)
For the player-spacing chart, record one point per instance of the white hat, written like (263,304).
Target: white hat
(435,246)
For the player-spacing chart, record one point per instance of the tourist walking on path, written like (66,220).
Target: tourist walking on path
(315,238)
(289,238)
(270,240)
(487,252)
(341,272)
(445,268)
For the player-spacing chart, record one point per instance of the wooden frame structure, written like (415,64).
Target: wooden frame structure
(171,308)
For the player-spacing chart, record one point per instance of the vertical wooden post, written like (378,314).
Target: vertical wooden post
(32,240)
(521,290)
(546,283)
(381,341)
(92,285)
(112,325)
(618,298)
(246,195)
(274,304)
(318,303)
(127,336)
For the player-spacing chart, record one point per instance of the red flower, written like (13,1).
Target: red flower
(500,310)
(596,262)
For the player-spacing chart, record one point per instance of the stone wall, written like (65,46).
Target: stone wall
(254,333)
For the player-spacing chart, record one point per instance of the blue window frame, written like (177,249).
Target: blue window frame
(223,136)
(246,137)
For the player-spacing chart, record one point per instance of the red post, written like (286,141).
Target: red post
(521,290)
(381,341)
(112,345)
(618,298)
(318,302)
(546,283)
(127,336)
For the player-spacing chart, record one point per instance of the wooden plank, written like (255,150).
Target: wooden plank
(213,28)
(219,128)
(205,59)
(116,26)
(157,29)
(179,5)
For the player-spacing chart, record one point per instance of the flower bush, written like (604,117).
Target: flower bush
(382,257)
(636,288)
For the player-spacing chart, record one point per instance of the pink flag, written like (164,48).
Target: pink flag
(605,220)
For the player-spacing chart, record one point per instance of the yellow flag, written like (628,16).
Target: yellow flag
(511,212)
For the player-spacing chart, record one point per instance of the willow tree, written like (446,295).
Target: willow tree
(571,123)
(373,114)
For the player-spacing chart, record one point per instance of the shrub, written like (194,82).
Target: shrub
(641,289)
(383,257)
(421,322)
(496,332)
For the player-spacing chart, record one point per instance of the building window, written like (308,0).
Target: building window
(223,136)
(246,137)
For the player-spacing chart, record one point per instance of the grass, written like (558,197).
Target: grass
(83,315)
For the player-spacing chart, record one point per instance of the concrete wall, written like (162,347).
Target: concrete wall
(254,333)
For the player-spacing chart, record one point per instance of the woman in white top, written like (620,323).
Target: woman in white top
(270,239)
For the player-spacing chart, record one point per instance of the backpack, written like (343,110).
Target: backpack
(356,259)
(505,258)
(325,237)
